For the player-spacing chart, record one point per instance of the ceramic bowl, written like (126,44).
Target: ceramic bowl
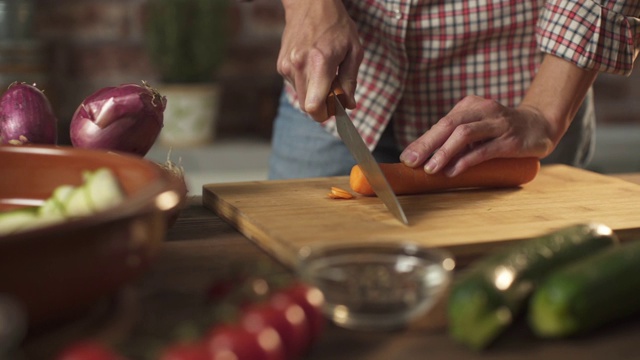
(59,270)
(376,286)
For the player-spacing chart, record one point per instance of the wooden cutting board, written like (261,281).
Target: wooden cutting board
(284,216)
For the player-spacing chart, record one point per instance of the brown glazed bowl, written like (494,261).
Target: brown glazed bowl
(60,270)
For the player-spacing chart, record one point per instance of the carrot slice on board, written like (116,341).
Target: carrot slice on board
(338,193)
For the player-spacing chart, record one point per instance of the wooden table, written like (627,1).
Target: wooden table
(201,247)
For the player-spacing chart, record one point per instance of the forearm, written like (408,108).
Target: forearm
(557,92)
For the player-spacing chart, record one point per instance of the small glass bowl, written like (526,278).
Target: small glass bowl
(376,286)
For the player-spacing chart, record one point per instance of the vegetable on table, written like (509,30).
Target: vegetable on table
(186,350)
(588,293)
(494,173)
(338,193)
(283,314)
(125,118)
(89,350)
(254,313)
(311,300)
(489,294)
(234,341)
(26,116)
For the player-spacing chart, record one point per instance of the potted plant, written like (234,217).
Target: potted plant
(186,40)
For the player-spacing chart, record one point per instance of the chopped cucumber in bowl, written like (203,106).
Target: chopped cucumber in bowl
(99,191)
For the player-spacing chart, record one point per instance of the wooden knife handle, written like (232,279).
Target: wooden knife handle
(336,91)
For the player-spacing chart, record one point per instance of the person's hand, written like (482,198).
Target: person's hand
(476,130)
(319,41)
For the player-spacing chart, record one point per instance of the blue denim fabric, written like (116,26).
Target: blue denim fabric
(301,148)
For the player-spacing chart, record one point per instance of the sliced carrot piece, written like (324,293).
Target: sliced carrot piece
(338,193)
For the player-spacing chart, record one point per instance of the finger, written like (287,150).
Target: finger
(416,153)
(320,76)
(466,137)
(348,85)
(289,65)
(300,86)
(476,154)
(348,73)
(284,63)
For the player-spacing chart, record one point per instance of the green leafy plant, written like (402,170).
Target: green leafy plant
(186,38)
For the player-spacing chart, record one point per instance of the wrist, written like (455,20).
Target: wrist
(556,93)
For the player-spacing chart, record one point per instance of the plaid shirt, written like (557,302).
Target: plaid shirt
(422,57)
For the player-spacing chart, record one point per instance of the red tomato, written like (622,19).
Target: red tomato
(185,351)
(235,342)
(88,350)
(286,317)
(311,301)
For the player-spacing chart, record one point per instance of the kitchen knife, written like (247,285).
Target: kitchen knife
(361,153)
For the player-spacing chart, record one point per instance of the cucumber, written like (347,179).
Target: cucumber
(485,299)
(587,294)
(16,220)
(78,203)
(103,189)
(100,190)
(62,194)
(51,208)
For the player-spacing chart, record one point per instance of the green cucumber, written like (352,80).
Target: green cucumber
(51,208)
(103,189)
(587,294)
(62,194)
(17,220)
(78,203)
(100,190)
(485,299)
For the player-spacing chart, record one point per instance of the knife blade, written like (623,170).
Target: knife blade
(354,142)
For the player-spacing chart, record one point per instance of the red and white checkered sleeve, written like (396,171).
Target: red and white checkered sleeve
(593,34)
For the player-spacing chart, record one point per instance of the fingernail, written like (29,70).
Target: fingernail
(431,166)
(409,158)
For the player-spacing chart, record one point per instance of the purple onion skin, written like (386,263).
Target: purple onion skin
(26,116)
(126,118)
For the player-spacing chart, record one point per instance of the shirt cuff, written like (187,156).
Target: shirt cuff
(591,35)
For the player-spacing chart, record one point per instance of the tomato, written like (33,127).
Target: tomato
(311,301)
(88,350)
(185,351)
(285,316)
(221,289)
(236,342)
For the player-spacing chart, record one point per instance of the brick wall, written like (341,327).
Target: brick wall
(94,43)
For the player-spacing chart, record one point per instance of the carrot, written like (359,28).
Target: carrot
(338,193)
(494,173)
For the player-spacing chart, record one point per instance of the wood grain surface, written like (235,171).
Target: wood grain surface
(286,215)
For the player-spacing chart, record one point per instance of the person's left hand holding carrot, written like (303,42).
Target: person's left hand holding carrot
(478,129)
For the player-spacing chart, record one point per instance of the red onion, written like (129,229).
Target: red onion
(125,118)
(26,116)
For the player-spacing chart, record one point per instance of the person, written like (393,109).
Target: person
(446,85)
